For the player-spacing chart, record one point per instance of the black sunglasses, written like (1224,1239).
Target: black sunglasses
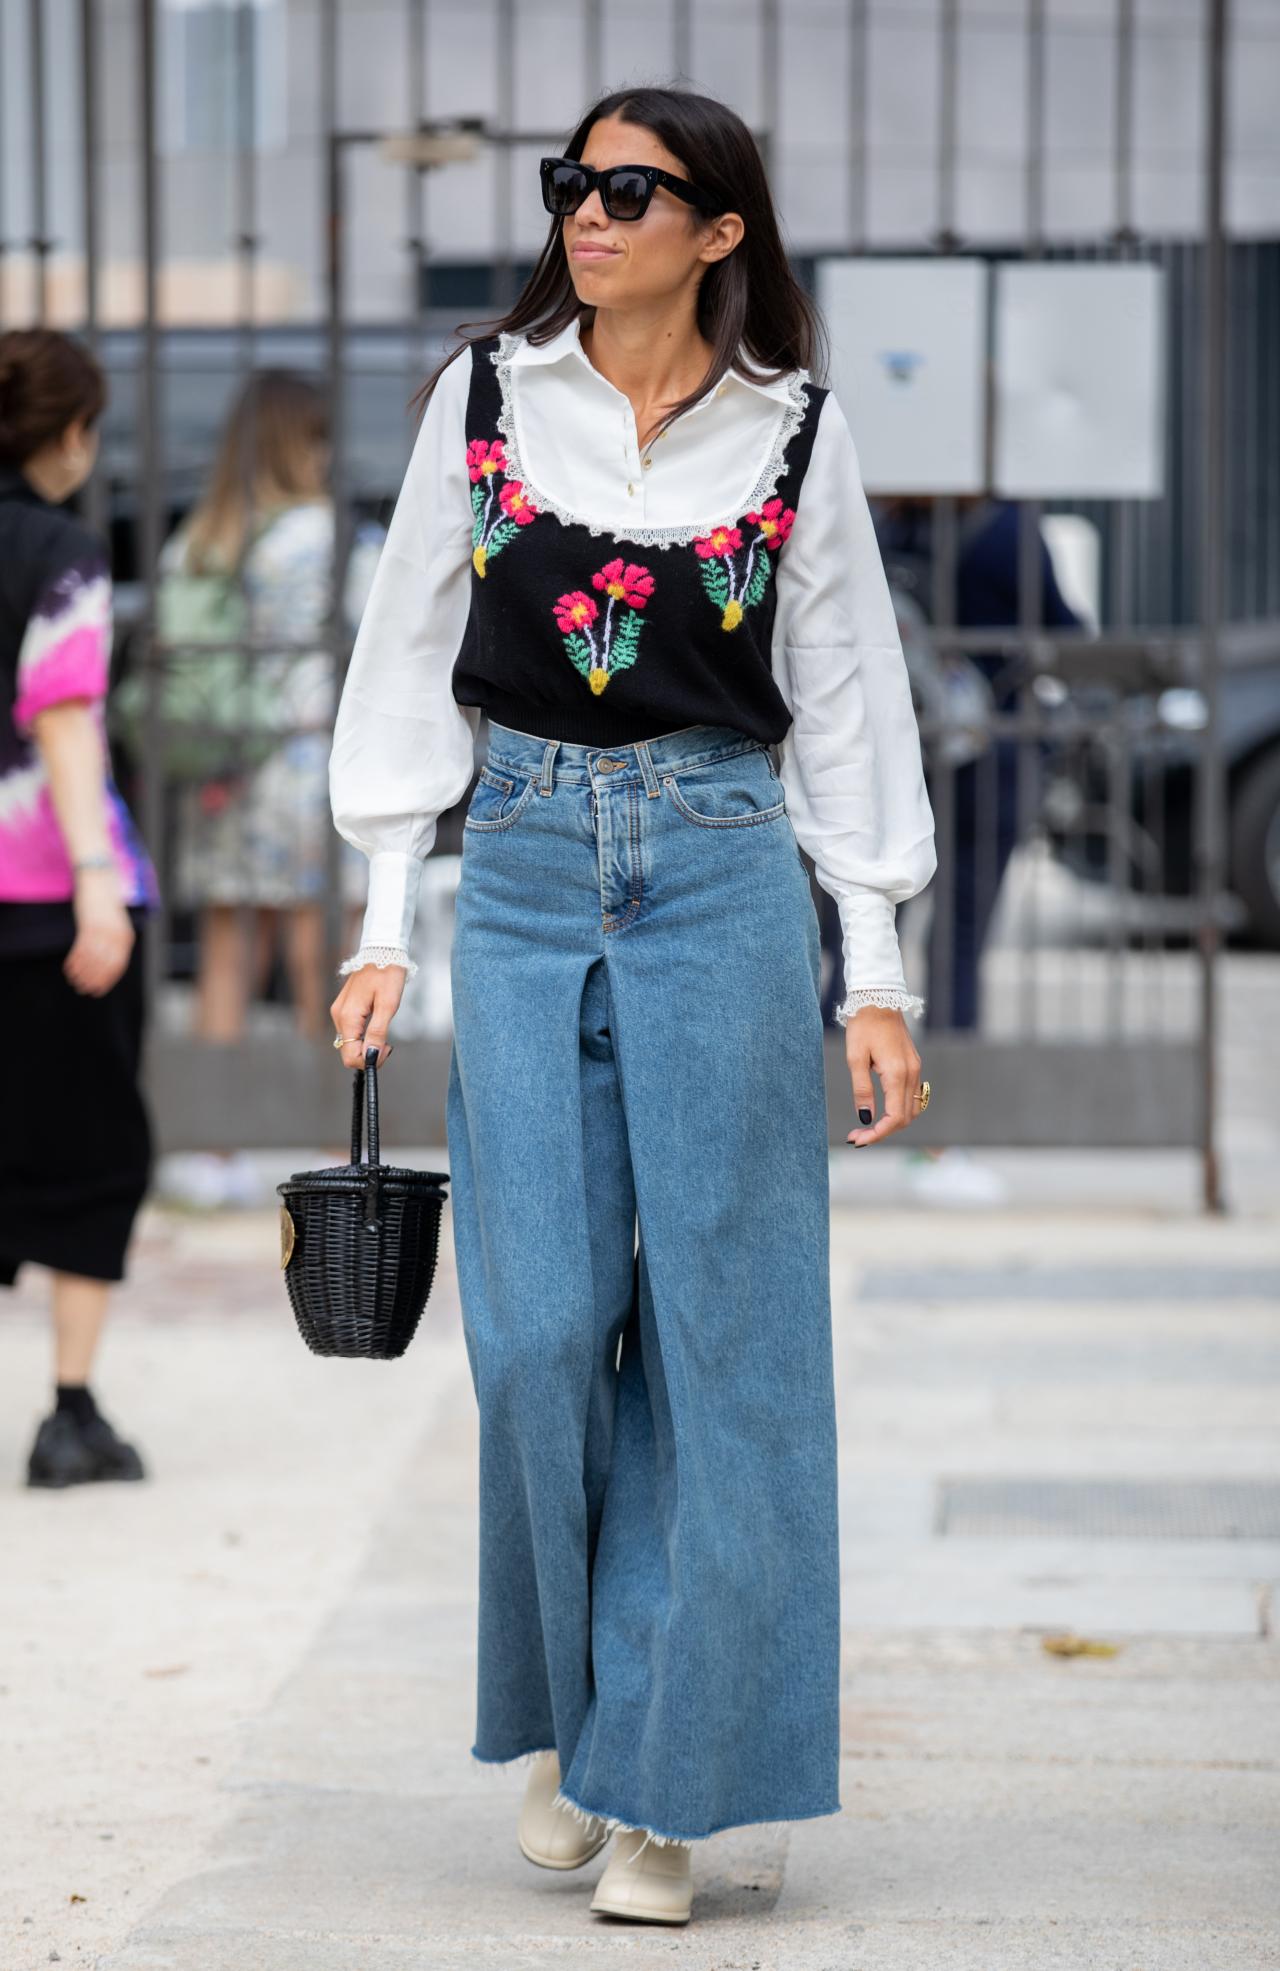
(625,189)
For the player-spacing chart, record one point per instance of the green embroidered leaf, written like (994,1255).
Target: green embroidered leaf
(759,578)
(626,642)
(579,651)
(715,581)
(477,509)
(505,531)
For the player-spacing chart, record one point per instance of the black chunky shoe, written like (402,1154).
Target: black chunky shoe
(73,1451)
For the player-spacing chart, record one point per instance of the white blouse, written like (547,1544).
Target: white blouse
(850,762)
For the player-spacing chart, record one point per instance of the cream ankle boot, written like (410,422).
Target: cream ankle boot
(647,1882)
(551,1836)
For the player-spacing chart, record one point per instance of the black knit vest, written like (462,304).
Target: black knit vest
(592,638)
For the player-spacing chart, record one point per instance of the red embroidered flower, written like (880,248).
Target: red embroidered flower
(484,458)
(631,584)
(516,504)
(773,522)
(575,610)
(721,540)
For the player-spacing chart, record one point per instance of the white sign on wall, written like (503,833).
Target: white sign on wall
(1079,382)
(907,365)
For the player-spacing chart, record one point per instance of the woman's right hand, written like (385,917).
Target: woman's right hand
(364,1010)
(104,933)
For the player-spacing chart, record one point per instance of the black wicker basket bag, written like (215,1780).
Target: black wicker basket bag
(358,1243)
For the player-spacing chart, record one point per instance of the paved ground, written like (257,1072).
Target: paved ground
(236,1703)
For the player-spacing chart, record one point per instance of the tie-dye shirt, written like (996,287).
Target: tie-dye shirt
(55,645)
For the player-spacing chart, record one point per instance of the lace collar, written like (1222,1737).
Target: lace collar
(788,391)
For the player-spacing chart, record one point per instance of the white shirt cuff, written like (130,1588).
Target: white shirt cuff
(873,973)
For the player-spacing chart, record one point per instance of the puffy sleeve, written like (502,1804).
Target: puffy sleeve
(403,748)
(850,763)
(66,646)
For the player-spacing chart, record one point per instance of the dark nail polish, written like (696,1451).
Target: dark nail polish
(864,1115)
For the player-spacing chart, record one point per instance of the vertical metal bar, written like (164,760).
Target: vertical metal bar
(244,68)
(96,509)
(39,180)
(1121,544)
(335,353)
(1030,598)
(1123,123)
(1210,818)
(770,81)
(246,192)
(415,182)
(1243,598)
(948,121)
(593,48)
(504,161)
(151,489)
(859,39)
(682,30)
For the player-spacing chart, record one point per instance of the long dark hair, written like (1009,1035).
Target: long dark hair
(268,456)
(47,381)
(749,302)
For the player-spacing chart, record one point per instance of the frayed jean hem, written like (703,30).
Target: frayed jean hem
(661,1839)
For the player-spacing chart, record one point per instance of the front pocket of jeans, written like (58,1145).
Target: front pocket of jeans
(497,801)
(729,799)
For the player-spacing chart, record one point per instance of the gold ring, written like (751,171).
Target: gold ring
(346,1040)
(923,1097)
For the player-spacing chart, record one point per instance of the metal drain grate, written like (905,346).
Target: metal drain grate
(1110,1509)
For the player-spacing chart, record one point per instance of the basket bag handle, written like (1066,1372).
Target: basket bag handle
(366,1084)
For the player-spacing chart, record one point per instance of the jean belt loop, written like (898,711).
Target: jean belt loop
(547,785)
(647,769)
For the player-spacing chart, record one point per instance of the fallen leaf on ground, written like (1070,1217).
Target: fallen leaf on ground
(1071,1645)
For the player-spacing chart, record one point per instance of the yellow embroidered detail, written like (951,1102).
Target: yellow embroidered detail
(478,560)
(597,679)
(732,616)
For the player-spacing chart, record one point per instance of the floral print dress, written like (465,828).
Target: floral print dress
(262,838)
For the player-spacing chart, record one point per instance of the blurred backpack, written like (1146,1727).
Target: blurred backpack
(219,705)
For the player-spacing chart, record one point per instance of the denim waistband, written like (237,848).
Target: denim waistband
(639,759)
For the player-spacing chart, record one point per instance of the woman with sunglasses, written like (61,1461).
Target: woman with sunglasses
(633,534)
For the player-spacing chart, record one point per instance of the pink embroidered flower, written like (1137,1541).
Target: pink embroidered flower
(516,504)
(721,540)
(631,583)
(774,523)
(575,610)
(484,458)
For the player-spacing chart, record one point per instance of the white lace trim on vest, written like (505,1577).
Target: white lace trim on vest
(789,422)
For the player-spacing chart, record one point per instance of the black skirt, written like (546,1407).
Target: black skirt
(76,1148)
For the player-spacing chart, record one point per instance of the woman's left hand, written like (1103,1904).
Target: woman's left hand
(877,1037)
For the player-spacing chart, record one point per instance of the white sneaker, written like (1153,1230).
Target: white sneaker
(551,1836)
(648,1881)
(956,1178)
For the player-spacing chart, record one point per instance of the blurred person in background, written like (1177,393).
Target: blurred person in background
(75,887)
(986,813)
(251,850)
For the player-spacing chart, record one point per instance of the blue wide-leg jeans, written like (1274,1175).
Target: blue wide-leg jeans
(638,1144)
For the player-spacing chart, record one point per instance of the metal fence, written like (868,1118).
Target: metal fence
(1104,754)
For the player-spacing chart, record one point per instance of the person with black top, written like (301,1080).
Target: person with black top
(633,535)
(76,885)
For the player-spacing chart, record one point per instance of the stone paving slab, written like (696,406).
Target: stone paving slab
(266,1660)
